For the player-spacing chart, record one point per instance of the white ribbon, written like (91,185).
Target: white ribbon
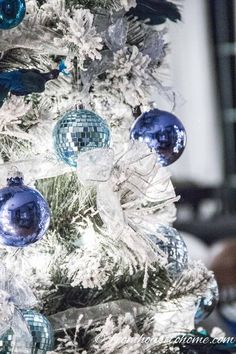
(15,295)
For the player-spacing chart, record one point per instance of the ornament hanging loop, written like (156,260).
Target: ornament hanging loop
(79,106)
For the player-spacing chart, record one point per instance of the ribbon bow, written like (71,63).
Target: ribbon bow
(131,188)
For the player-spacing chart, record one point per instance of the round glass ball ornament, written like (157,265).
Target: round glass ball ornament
(12,13)
(174,248)
(207,303)
(41,331)
(163,132)
(6,342)
(24,214)
(78,131)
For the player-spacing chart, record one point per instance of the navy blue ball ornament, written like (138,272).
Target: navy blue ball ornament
(41,331)
(174,247)
(207,303)
(12,13)
(163,132)
(78,131)
(24,214)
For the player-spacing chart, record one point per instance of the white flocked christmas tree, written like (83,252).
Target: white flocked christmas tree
(111,274)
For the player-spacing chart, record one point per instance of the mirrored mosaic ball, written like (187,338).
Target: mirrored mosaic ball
(174,248)
(12,13)
(24,214)
(78,131)
(6,342)
(41,331)
(163,132)
(208,302)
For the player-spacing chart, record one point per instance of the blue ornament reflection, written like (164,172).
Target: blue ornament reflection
(163,132)
(78,131)
(24,214)
(174,248)
(12,13)
(207,303)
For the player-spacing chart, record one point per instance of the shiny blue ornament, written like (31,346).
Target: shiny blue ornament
(163,132)
(41,331)
(24,214)
(207,303)
(78,131)
(12,13)
(174,248)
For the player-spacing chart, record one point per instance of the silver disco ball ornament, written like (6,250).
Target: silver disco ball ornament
(41,331)
(6,342)
(78,131)
(174,248)
(207,303)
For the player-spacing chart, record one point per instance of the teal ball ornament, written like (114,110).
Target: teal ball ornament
(12,13)
(79,130)
(41,331)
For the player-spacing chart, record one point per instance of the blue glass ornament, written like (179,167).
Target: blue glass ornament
(24,214)
(174,248)
(78,131)
(41,331)
(163,132)
(12,13)
(207,303)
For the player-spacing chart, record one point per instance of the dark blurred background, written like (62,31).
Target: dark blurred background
(206,176)
(203,62)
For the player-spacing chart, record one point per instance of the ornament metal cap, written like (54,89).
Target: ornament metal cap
(15,177)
